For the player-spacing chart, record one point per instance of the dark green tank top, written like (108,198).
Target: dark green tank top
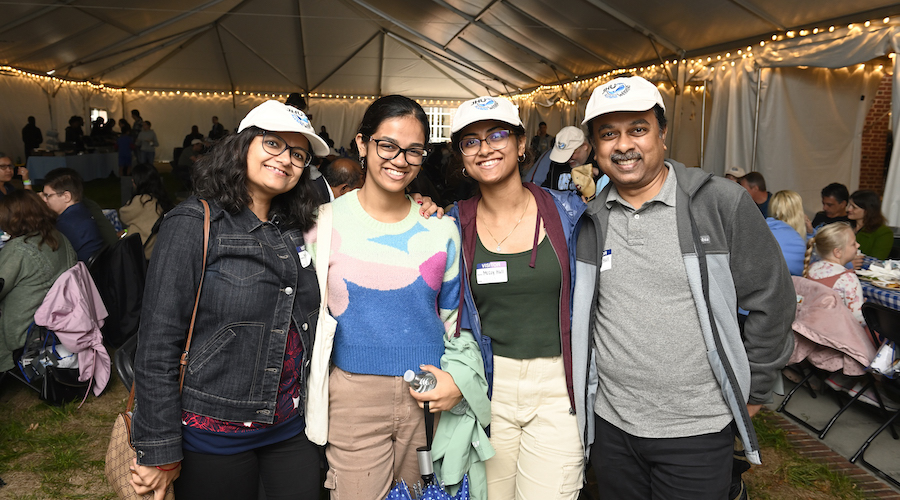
(520,314)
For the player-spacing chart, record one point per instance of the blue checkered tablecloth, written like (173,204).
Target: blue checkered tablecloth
(887,298)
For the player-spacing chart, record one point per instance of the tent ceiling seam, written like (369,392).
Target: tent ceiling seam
(345,61)
(631,23)
(543,60)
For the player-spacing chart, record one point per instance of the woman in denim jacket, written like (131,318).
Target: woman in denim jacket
(238,421)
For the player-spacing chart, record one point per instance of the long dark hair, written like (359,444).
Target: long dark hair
(392,106)
(147,181)
(23,213)
(869,201)
(221,176)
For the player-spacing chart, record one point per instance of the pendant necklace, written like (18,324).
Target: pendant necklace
(527,202)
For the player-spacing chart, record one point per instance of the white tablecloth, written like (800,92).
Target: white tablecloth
(90,166)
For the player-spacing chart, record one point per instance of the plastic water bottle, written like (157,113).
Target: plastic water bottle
(420,382)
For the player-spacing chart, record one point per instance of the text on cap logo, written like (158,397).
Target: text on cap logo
(616,90)
(485,103)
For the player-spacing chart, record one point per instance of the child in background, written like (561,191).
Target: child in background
(836,246)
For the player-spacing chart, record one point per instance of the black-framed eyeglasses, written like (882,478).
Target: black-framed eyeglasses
(497,140)
(274,145)
(387,150)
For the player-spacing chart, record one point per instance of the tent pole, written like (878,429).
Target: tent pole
(703,120)
(381,64)
(756,119)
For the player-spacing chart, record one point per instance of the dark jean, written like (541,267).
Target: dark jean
(689,468)
(288,470)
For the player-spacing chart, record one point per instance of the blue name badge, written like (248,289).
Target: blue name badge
(491,272)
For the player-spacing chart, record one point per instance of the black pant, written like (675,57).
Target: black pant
(690,468)
(288,470)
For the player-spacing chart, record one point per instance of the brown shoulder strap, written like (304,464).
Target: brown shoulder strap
(831,280)
(190,333)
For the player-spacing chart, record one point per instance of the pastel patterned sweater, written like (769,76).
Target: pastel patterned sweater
(392,287)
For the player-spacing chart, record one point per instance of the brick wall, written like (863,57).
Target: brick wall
(875,139)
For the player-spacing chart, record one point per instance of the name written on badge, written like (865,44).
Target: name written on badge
(491,272)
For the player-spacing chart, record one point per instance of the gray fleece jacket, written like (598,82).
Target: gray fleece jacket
(728,253)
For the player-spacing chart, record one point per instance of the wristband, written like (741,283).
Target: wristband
(26,183)
(177,465)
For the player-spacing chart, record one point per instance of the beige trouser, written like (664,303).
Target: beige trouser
(539,454)
(374,428)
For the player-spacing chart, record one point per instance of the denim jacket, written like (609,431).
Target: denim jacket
(255,285)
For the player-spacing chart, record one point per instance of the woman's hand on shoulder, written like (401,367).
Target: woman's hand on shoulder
(150,479)
(428,206)
(444,396)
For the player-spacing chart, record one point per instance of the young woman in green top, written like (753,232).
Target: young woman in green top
(874,237)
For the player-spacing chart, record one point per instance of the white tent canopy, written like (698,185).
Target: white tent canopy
(793,111)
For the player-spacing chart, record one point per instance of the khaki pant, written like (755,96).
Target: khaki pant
(539,453)
(374,428)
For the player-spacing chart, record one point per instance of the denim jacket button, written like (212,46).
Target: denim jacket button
(305,326)
(140,454)
(288,291)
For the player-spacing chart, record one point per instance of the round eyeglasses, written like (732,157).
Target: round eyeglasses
(275,145)
(497,140)
(387,150)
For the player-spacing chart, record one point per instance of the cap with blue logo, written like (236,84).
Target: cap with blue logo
(274,116)
(567,141)
(631,93)
(485,108)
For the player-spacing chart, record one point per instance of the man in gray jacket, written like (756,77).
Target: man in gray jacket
(665,256)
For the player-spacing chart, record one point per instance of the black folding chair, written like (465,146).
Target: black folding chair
(885,322)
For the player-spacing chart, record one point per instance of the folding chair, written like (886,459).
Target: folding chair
(885,322)
(823,320)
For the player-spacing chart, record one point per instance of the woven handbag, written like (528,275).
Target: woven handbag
(120,454)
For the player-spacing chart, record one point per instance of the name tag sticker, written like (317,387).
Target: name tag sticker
(606,260)
(305,257)
(491,272)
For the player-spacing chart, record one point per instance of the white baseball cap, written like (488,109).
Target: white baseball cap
(485,108)
(567,141)
(631,93)
(735,171)
(274,116)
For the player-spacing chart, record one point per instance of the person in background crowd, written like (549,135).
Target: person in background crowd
(788,224)
(238,425)
(874,237)
(835,197)
(146,144)
(75,132)
(734,173)
(189,139)
(669,254)
(570,150)
(31,136)
(755,184)
(836,245)
(217,131)
(7,172)
(150,202)
(138,123)
(125,147)
(62,192)
(30,262)
(542,141)
(518,265)
(98,127)
(343,175)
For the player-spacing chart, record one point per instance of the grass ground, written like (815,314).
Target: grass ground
(57,453)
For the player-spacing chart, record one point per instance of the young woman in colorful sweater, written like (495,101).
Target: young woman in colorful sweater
(393,287)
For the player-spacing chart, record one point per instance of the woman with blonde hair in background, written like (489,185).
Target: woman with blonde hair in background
(789,225)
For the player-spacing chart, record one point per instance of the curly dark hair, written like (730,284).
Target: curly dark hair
(515,131)
(147,181)
(24,213)
(221,176)
(868,201)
